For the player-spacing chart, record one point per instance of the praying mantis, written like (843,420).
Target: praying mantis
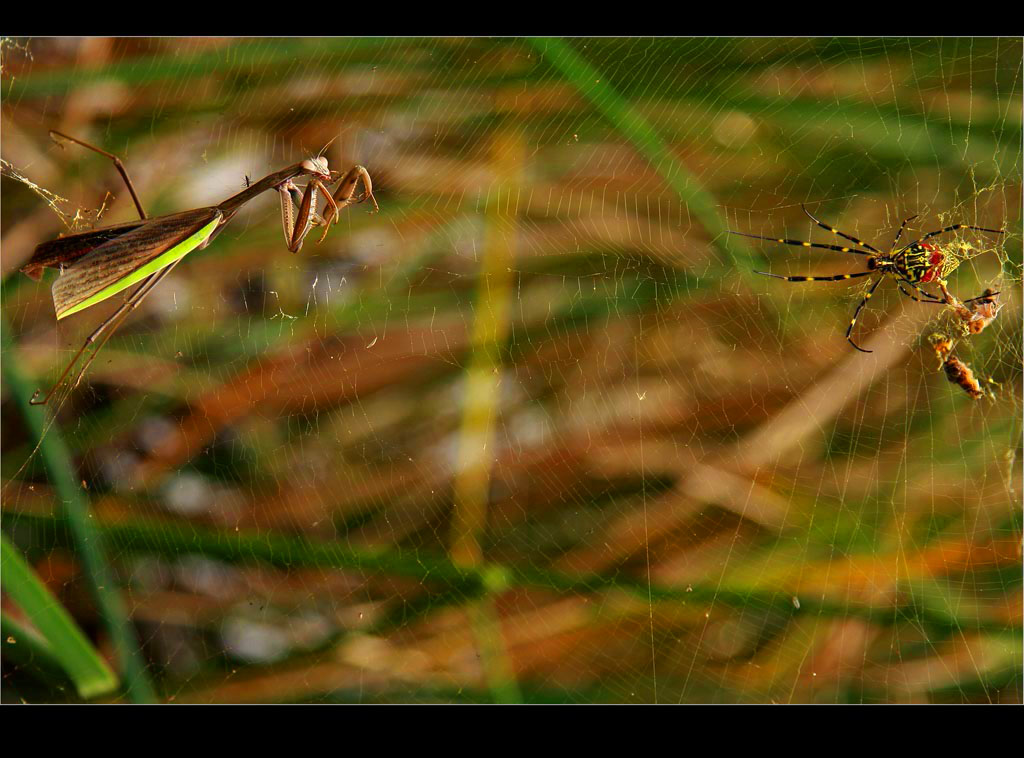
(100,263)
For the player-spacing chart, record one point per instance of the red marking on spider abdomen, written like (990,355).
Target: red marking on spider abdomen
(935,259)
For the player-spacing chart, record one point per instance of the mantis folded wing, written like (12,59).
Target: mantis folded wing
(131,257)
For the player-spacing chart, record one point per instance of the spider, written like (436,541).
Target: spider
(911,264)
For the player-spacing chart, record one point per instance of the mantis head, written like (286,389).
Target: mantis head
(317,167)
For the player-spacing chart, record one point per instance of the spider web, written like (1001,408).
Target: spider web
(535,431)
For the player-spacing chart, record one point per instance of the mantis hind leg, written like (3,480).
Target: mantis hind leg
(109,326)
(117,164)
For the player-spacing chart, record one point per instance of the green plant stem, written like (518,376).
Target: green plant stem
(170,539)
(62,640)
(595,87)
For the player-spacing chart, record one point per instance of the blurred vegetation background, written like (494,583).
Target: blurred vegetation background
(535,432)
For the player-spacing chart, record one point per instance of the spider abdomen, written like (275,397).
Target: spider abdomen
(919,263)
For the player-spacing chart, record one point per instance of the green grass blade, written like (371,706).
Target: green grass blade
(88,541)
(26,648)
(65,641)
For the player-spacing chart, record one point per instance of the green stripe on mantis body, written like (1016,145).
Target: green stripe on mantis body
(175,253)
